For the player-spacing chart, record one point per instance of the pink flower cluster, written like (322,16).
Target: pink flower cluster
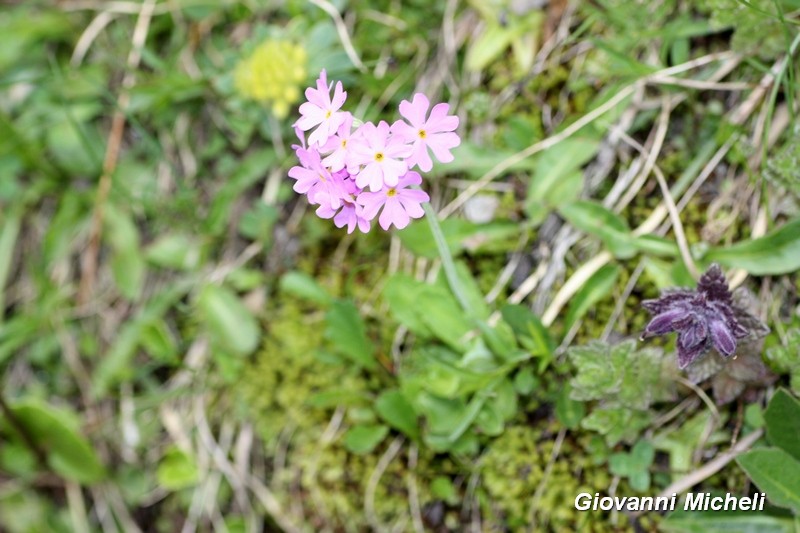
(352,174)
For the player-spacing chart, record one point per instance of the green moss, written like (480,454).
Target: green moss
(513,469)
(280,383)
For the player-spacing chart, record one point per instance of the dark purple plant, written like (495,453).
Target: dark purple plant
(703,318)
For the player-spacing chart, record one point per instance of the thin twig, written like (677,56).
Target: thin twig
(375,478)
(710,468)
(341,29)
(89,257)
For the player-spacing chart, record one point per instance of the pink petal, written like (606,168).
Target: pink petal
(393,213)
(441,145)
(413,208)
(371,202)
(415,110)
(339,96)
(410,178)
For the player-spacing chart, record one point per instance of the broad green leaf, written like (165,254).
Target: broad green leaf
(127,263)
(442,488)
(361,440)
(395,410)
(783,423)
(116,363)
(229,323)
(246,173)
(775,472)
(595,289)
(778,252)
(471,290)
(489,421)
(475,160)
(400,293)
(491,43)
(129,270)
(174,250)
(594,219)
(568,411)
(56,432)
(445,318)
(525,382)
(558,178)
(530,331)
(348,335)
(460,235)
(304,286)
(654,245)
(723,522)
(177,470)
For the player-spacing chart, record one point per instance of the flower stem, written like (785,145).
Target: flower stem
(447,259)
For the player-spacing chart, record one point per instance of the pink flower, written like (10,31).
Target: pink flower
(437,133)
(316,181)
(400,204)
(382,154)
(350,214)
(321,111)
(339,145)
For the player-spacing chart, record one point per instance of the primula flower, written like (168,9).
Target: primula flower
(338,145)
(435,133)
(378,158)
(400,204)
(703,318)
(322,111)
(382,155)
(351,213)
(316,181)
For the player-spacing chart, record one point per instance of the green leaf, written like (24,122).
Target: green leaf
(174,250)
(654,245)
(127,263)
(445,318)
(595,289)
(475,160)
(303,286)
(594,219)
(116,364)
(459,234)
(229,323)
(530,331)
(783,423)
(491,43)
(250,170)
(525,381)
(775,472)
(568,411)
(721,522)
(558,178)
(361,440)
(177,470)
(348,335)
(56,431)
(488,421)
(395,410)
(778,252)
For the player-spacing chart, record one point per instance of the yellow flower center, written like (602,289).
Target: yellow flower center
(328,114)
(379,157)
(422,134)
(344,143)
(391,192)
